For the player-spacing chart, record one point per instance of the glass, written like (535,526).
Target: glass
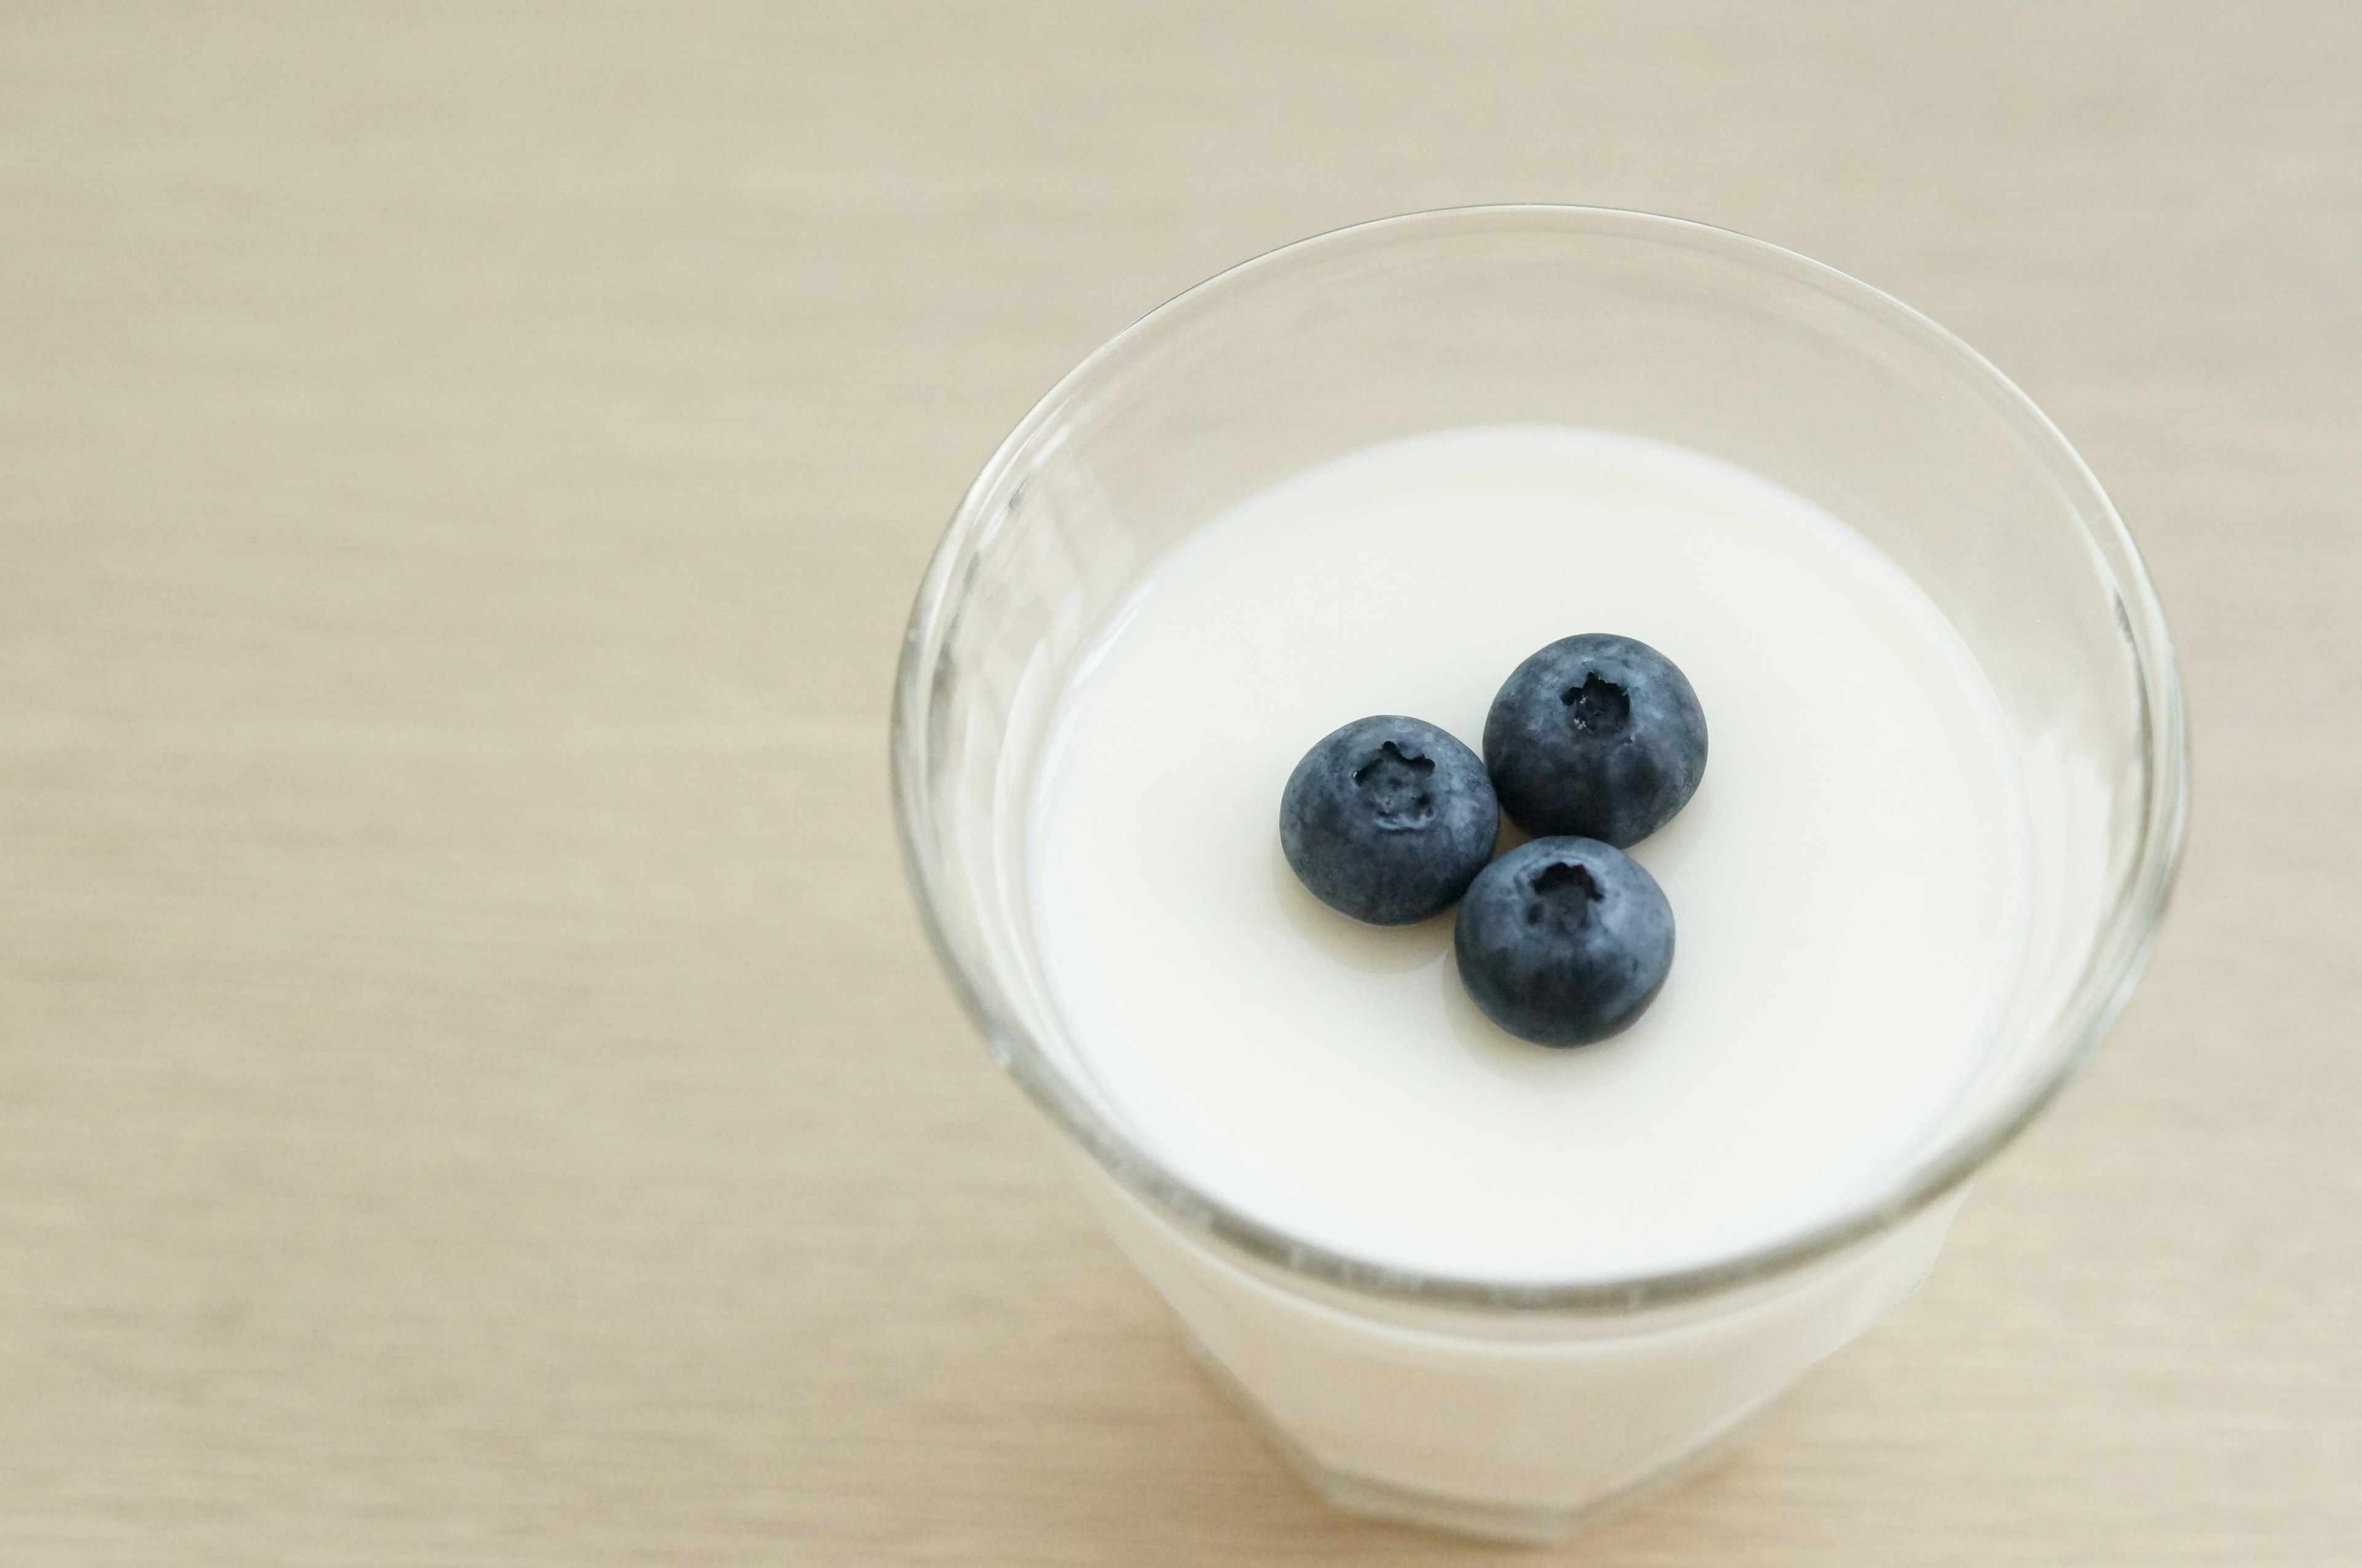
(1520,1409)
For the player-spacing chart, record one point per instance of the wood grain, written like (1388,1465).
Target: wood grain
(471,1087)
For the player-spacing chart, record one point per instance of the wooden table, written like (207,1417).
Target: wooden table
(471,1087)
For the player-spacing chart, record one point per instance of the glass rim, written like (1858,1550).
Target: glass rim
(2074,1031)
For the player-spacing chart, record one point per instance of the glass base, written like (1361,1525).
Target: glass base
(1389,1502)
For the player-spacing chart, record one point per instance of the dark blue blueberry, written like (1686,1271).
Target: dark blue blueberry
(1388,819)
(1564,940)
(1598,736)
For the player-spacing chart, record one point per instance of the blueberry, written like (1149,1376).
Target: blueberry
(1388,819)
(1564,940)
(1595,736)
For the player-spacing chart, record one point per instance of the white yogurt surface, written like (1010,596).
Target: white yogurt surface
(1848,884)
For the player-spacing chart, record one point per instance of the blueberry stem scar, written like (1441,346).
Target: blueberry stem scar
(1600,706)
(1566,873)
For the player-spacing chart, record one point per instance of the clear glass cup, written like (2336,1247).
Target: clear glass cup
(1519,1409)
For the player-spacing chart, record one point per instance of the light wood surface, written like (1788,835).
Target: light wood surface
(472,1089)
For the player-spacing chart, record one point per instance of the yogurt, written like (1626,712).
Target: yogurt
(1849,883)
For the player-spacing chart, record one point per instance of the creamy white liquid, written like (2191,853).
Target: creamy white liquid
(1848,884)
